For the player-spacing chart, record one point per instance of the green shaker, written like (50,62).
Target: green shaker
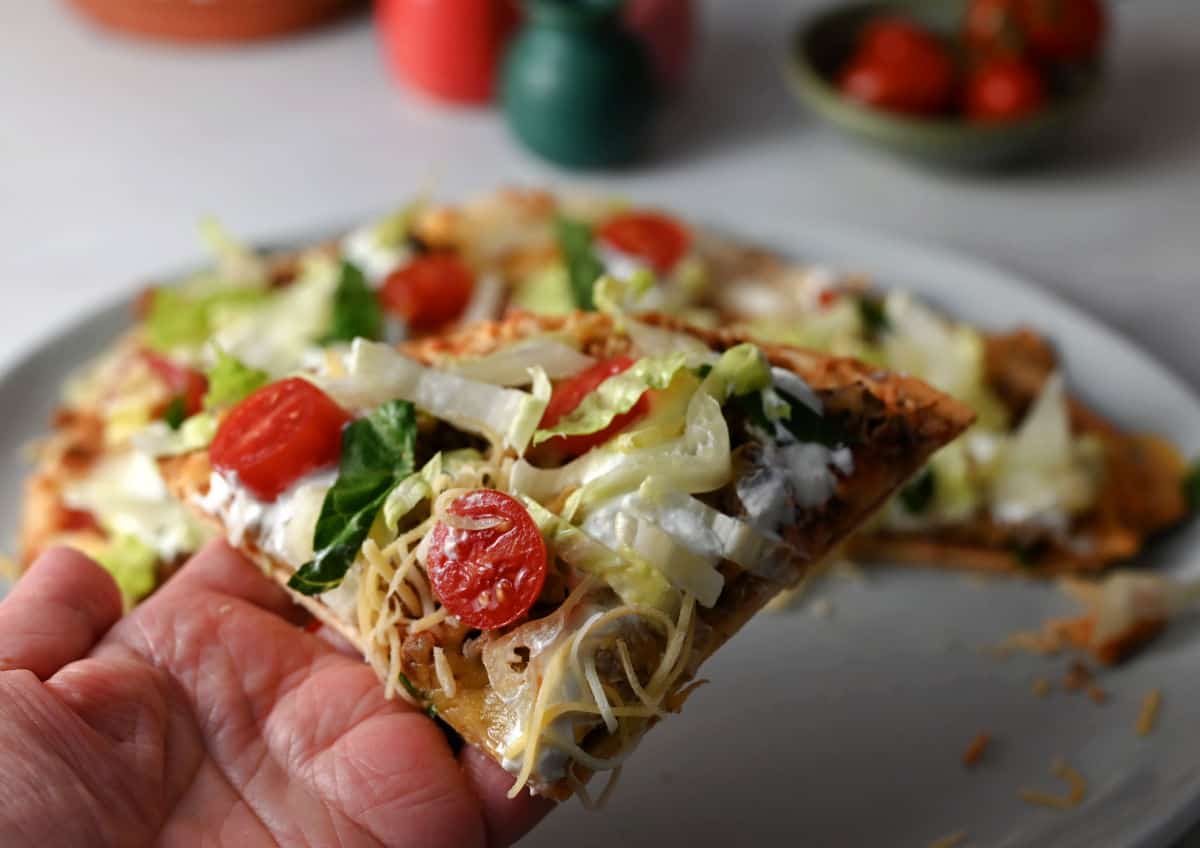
(577,86)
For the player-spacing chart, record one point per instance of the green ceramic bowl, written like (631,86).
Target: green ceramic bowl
(822,45)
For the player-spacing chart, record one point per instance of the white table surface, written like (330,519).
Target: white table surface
(110,149)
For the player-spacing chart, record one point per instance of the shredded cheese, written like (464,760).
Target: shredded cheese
(445,674)
(950,840)
(1075,781)
(1148,716)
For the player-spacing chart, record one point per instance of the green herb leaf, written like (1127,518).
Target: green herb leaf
(356,310)
(918,495)
(874,319)
(176,412)
(1191,487)
(410,689)
(583,268)
(230,380)
(377,453)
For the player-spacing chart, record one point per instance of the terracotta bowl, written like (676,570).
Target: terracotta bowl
(212,20)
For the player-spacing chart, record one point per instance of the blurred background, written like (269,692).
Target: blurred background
(115,143)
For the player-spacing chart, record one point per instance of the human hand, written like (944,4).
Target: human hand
(207,716)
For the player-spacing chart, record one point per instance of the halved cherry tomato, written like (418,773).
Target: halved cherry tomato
(657,239)
(900,67)
(489,572)
(182,381)
(992,27)
(428,292)
(569,393)
(1004,89)
(1063,30)
(277,435)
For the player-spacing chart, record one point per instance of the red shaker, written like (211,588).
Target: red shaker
(668,28)
(449,49)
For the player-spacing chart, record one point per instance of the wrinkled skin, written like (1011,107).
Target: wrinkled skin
(208,717)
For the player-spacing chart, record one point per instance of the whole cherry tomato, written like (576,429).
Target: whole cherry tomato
(1063,30)
(1004,88)
(489,572)
(429,291)
(901,68)
(658,239)
(182,382)
(569,393)
(277,435)
(992,27)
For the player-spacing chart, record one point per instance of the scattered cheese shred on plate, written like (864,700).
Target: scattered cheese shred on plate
(976,749)
(950,840)
(1148,717)
(1074,780)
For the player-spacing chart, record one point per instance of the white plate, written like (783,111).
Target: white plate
(848,730)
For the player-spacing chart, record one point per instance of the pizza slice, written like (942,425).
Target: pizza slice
(537,529)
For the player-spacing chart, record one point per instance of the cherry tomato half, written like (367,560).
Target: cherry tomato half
(653,237)
(900,67)
(1004,89)
(428,292)
(993,27)
(569,393)
(489,575)
(277,435)
(1063,30)
(180,380)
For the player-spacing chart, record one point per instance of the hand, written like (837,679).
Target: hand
(207,716)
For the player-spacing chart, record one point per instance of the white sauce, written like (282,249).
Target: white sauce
(127,495)
(283,527)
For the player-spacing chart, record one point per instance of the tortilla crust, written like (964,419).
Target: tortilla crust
(894,422)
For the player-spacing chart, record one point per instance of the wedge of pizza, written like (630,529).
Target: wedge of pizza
(538,529)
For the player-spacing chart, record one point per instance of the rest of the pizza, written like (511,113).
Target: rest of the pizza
(539,528)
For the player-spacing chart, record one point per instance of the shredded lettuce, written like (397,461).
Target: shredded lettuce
(392,230)
(230,380)
(742,369)
(547,291)
(133,565)
(377,373)
(615,396)
(419,486)
(635,581)
(617,295)
(510,366)
(179,318)
(1044,474)
(236,262)
(683,568)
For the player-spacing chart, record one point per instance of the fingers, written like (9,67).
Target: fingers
(506,820)
(219,568)
(56,612)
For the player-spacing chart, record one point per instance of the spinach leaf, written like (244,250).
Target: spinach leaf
(583,268)
(1191,487)
(356,310)
(378,451)
(176,412)
(917,495)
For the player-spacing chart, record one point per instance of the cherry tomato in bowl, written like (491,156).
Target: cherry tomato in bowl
(1006,88)
(1063,30)
(487,561)
(277,435)
(900,67)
